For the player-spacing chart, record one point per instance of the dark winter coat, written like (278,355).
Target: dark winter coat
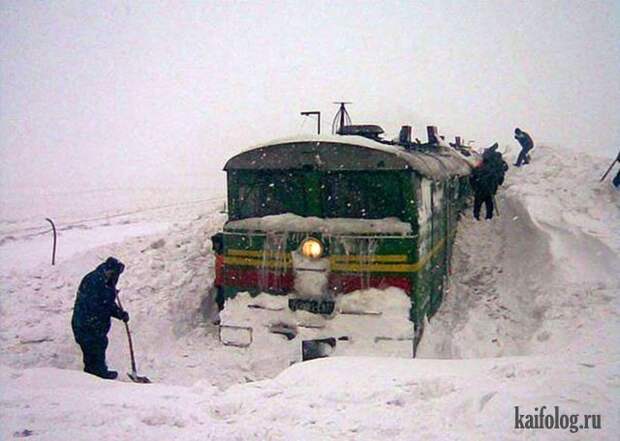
(525,140)
(95,305)
(488,176)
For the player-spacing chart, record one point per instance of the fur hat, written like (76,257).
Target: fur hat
(113,264)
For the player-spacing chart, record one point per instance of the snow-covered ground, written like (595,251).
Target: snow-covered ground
(531,320)
(87,219)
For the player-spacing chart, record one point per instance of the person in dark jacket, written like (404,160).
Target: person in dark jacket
(526,145)
(485,180)
(95,305)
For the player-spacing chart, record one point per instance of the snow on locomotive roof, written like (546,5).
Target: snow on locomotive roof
(337,152)
(338,139)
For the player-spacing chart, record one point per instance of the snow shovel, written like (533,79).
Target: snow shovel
(133,375)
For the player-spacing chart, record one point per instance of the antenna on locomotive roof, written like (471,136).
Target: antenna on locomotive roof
(341,119)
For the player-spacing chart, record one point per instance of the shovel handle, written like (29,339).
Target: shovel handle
(133,359)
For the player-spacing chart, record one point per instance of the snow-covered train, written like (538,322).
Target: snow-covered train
(339,243)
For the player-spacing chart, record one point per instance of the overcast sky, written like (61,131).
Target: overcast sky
(106,94)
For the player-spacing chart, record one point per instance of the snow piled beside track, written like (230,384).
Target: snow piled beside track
(544,276)
(531,319)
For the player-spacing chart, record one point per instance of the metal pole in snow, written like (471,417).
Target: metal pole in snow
(54,246)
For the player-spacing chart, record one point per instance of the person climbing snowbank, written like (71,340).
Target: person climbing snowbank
(95,305)
(526,146)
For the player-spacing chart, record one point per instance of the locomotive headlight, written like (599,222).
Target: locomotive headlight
(312,248)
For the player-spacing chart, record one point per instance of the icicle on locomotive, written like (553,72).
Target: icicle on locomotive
(340,243)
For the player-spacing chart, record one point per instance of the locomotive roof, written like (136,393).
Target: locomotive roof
(336,152)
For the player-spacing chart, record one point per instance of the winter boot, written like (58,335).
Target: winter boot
(105,374)
(109,375)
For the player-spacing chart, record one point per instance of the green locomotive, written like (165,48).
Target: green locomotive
(316,219)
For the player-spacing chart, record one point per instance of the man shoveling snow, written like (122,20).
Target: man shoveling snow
(95,305)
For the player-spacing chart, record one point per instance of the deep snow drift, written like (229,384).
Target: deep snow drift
(531,319)
(544,275)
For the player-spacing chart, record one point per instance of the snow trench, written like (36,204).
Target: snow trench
(502,270)
(540,277)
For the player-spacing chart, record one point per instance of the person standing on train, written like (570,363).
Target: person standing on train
(526,145)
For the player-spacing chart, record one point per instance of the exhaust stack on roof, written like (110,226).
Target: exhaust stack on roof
(431,132)
(404,137)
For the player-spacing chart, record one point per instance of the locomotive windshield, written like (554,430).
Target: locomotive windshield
(359,194)
(365,195)
(267,193)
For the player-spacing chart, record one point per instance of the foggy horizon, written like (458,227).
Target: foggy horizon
(107,95)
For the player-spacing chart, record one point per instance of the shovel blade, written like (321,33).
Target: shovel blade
(133,376)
